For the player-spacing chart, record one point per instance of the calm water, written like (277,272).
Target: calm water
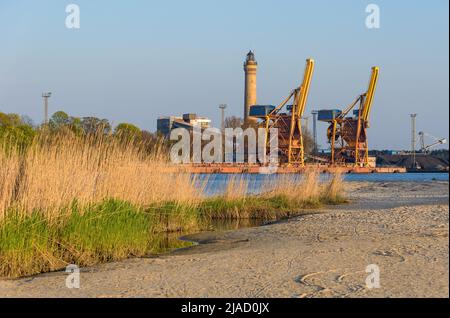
(217,183)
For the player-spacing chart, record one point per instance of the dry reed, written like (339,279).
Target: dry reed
(90,199)
(60,169)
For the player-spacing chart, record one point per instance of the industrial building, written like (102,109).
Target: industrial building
(347,131)
(165,124)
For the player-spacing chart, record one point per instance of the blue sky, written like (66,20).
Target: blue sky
(132,61)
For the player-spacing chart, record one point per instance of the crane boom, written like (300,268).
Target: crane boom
(347,134)
(282,104)
(437,141)
(370,93)
(302,95)
(288,124)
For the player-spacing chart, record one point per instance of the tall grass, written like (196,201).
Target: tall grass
(282,197)
(58,169)
(91,199)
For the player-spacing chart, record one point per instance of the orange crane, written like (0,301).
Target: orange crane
(287,123)
(348,134)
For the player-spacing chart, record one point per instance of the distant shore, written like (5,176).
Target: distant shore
(402,227)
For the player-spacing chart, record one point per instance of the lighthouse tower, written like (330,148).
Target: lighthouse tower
(250,68)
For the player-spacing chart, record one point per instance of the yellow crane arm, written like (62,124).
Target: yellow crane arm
(370,93)
(302,96)
(300,93)
(349,108)
(282,104)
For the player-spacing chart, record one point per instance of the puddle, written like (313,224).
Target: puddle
(213,231)
(177,241)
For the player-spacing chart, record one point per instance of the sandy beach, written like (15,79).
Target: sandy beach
(401,227)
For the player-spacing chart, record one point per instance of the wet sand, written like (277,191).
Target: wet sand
(401,227)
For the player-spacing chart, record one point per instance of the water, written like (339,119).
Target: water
(397,177)
(217,183)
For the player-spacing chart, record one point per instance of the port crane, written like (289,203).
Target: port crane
(347,132)
(286,119)
(436,141)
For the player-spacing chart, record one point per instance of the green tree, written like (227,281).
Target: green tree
(14,131)
(76,125)
(61,121)
(4,119)
(129,131)
(58,120)
(10,119)
(94,125)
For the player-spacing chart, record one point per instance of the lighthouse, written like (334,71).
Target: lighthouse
(250,68)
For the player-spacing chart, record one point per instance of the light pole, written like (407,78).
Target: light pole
(413,139)
(222,121)
(46,96)
(314,113)
(222,108)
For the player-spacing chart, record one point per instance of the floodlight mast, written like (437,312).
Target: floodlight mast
(46,96)
(222,108)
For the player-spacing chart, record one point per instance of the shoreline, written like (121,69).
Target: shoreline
(113,230)
(314,255)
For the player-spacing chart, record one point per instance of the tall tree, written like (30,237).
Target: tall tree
(15,131)
(94,125)
(59,120)
(128,131)
(10,119)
